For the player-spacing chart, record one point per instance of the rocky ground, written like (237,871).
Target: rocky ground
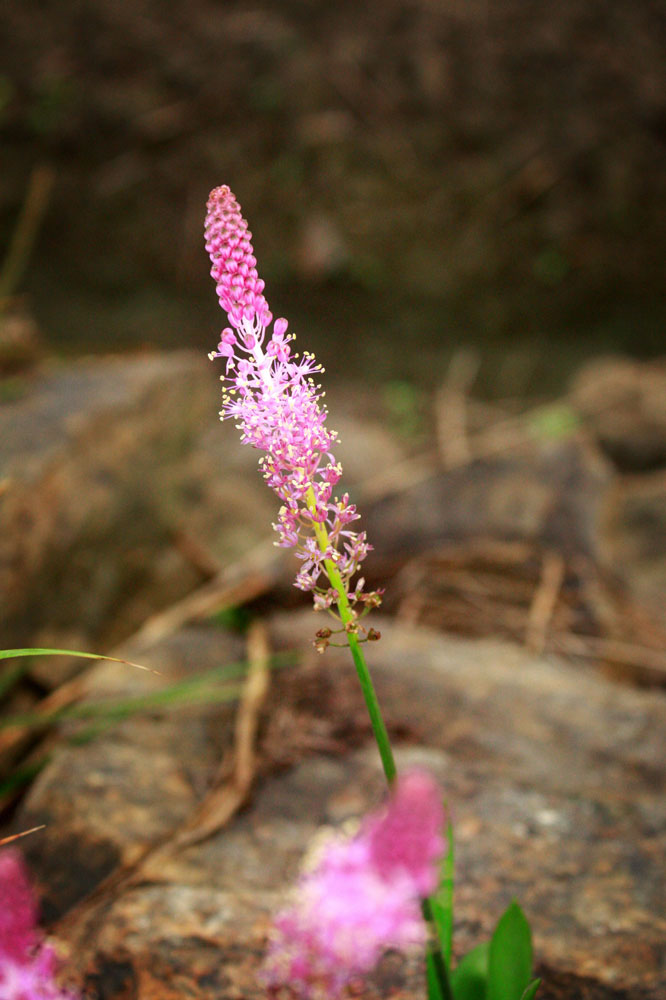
(522,659)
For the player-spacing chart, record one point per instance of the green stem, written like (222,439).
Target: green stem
(435,952)
(347,618)
(378,725)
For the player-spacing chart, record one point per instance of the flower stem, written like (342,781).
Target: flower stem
(378,727)
(347,618)
(435,952)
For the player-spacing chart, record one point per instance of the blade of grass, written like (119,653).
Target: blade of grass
(7,654)
(120,711)
(9,678)
(21,776)
(201,689)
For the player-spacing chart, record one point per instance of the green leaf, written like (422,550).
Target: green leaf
(555,421)
(442,900)
(470,976)
(530,991)
(434,989)
(510,956)
(438,974)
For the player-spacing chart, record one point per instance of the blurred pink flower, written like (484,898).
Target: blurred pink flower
(28,964)
(360,896)
(18,910)
(407,837)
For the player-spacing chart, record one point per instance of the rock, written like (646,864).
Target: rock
(88,457)
(552,495)
(521,545)
(623,403)
(105,469)
(146,774)
(554,779)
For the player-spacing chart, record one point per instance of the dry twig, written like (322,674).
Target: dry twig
(236,584)
(215,811)
(23,833)
(230,793)
(451,409)
(25,232)
(543,603)
(649,662)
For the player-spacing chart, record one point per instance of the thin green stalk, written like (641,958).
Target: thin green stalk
(347,618)
(435,953)
(436,958)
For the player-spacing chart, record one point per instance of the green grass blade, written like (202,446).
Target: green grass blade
(8,654)
(432,979)
(212,687)
(10,678)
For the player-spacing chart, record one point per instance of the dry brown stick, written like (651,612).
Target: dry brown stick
(196,554)
(63,696)
(146,862)
(544,601)
(451,408)
(230,792)
(23,833)
(238,583)
(625,653)
(25,232)
(395,478)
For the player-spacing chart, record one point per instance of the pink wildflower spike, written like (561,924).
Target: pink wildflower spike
(359,896)
(272,396)
(28,965)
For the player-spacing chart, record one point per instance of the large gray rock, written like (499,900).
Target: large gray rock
(551,495)
(554,779)
(90,458)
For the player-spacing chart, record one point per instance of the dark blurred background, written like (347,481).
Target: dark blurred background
(418,174)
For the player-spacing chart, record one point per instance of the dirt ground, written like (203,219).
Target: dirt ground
(437,170)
